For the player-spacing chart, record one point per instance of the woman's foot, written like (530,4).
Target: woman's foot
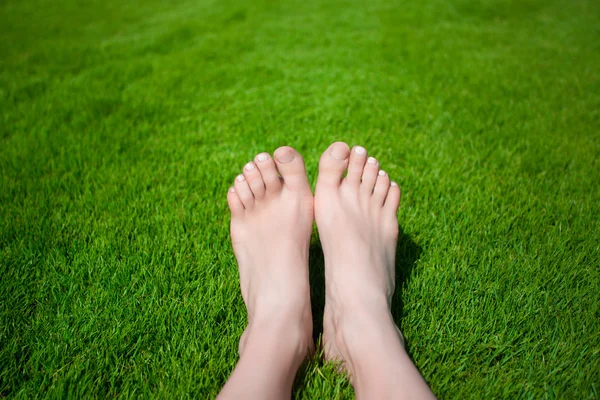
(358,227)
(271,223)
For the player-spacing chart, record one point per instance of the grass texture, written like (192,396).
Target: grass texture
(123,123)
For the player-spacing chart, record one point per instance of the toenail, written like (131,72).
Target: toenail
(240,178)
(360,150)
(339,152)
(372,160)
(381,173)
(249,166)
(286,157)
(262,157)
(232,189)
(394,184)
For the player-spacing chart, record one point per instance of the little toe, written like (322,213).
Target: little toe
(235,204)
(291,168)
(392,201)
(356,164)
(255,180)
(369,177)
(244,192)
(332,164)
(381,189)
(269,173)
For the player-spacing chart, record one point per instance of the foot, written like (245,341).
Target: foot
(358,228)
(271,223)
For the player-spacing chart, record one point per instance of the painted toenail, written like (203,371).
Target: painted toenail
(262,157)
(372,160)
(339,152)
(360,150)
(382,173)
(286,157)
(249,167)
(394,184)
(240,178)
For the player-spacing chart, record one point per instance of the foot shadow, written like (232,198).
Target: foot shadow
(407,255)
(316,264)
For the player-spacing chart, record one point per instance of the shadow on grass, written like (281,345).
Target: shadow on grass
(317,285)
(407,255)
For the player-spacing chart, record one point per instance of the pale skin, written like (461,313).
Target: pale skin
(272,212)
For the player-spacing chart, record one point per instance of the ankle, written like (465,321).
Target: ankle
(278,306)
(359,308)
(364,332)
(289,335)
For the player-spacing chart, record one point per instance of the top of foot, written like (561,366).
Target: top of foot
(356,215)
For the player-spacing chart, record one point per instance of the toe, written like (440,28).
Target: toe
(255,180)
(369,177)
(291,168)
(356,164)
(244,193)
(235,204)
(382,187)
(333,163)
(269,173)
(392,201)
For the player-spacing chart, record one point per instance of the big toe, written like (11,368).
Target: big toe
(291,168)
(333,164)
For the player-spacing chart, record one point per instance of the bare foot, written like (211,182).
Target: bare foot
(358,226)
(271,225)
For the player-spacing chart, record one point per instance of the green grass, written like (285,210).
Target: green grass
(122,125)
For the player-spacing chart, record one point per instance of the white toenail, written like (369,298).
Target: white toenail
(249,166)
(232,189)
(360,150)
(262,157)
(240,178)
(381,173)
(372,160)
(394,184)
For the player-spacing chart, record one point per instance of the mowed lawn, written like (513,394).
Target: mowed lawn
(123,124)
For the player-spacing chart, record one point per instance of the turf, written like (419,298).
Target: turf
(123,123)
